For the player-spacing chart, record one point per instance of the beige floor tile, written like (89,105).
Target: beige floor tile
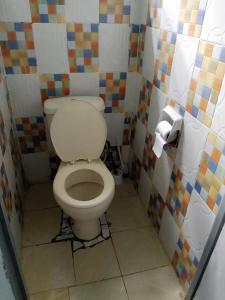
(159,284)
(41,226)
(127,213)
(39,196)
(59,294)
(138,250)
(126,189)
(112,289)
(48,267)
(96,263)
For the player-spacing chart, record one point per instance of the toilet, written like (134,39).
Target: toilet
(83,186)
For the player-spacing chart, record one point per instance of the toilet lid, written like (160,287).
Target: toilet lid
(78,131)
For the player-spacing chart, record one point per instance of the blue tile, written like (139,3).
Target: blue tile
(189,188)
(173,38)
(32,62)
(194,111)
(102,83)
(103,18)
(51,92)
(71,36)
(126,10)
(212,165)
(19,26)
(9,70)
(222,55)
(135,28)
(87,53)
(200,17)
(206,92)
(12,44)
(94,27)
(199,60)
(198,187)
(80,69)
(58,77)
(108,109)
(44,18)
(180,27)
(123,75)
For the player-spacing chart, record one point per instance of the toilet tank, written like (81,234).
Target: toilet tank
(53,104)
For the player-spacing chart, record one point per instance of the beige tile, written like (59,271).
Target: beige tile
(125,189)
(159,284)
(59,294)
(96,263)
(138,250)
(41,226)
(127,213)
(112,289)
(39,196)
(48,267)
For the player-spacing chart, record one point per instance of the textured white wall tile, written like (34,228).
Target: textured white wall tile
(36,167)
(24,90)
(84,84)
(115,124)
(4,108)
(170,14)
(139,10)
(150,52)
(191,144)
(218,123)
(182,68)
(12,11)
(162,174)
(158,102)
(169,233)
(139,140)
(51,48)
(212,285)
(197,223)
(214,26)
(133,87)
(82,11)
(144,188)
(113,47)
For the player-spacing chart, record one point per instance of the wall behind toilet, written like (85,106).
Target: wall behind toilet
(70,47)
(183,66)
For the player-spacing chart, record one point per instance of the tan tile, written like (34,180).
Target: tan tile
(59,294)
(96,263)
(41,226)
(125,189)
(159,284)
(127,213)
(112,289)
(48,267)
(138,250)
(39,196)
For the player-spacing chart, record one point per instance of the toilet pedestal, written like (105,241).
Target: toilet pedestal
(87,229)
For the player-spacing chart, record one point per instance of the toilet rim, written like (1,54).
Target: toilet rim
(61,193)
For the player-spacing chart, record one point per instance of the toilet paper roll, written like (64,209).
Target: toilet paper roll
(162,133)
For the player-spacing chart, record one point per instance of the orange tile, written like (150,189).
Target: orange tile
(210,202)
(78,28)
(216,154)
(52,9)
(11,35)
(209,49)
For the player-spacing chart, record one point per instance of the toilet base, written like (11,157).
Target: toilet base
(86,230)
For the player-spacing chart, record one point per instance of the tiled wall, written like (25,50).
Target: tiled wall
(71,47)
(11,177)
(183,66)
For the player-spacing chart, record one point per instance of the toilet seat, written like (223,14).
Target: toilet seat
(65,170)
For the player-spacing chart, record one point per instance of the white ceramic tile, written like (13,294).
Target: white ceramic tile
(182,67)
(162,174)
(139,11)
(150,52)
(82,11)
(108,289)
(197,224)
(24,90)
(170,14)
(36,167)
(139,140)
(169,233)
(144,188)
(58,294)
(212,285)
(133,86)
(218,124)
(48,267)
(97,263)
(84,84)
(4,108)
(114,123)
(138,250)
(113,47)
(159,284)
(11,11)
(213,28)
(193,137)
(158,102)
(51,48)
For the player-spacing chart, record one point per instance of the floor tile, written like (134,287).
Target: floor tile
(159,284)
(138,250)
(96,263)
(127,213)
(112,289)
(48,267)
(39,196)
(125,189)
(41,226)
(59,294)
